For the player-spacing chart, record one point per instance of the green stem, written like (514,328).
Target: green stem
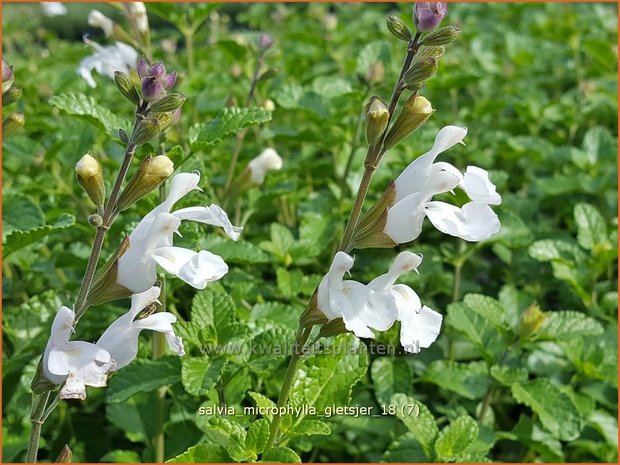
(300,342)
(188,34)
(39,402)
(345,243)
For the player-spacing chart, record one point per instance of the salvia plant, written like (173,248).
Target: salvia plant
(307,357)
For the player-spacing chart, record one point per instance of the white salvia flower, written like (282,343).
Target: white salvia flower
(107,60)
(53,9)
(268,160)
(121,337)
(420,325)
(138,11)
(349,300)
(424,178)
(97,19)
(150,243)
(77,363)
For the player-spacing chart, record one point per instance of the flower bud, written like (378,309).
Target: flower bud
(416,111)
(152,89)
(97,19)
(170,102)
(377,116)
(122,135)
(531,320)
(368,232)
(430,51)
(11,96)
(164,120)
(420,70)
(90,176)
(265,42)
(150,174)
(8,76)
(105,287)
(95,220)
(268,160)
(148,129)
(398,28)
(155,80)
(138,11)
(330,22)
(269,105)
(442,36)
(428,15)
(125,85)
(65,455)
(12,124)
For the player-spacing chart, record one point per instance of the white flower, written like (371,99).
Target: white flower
(420,325)
(53,9)
(150,243)
(77,363)
(138,11)
(107,60)
(349,300)
(268,160)
(121,337)
(97,19)
(424,178)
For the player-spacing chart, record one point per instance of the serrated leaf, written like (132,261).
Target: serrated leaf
(423,426)
(287,315)
(455,438)
(216,310)
(143,375)
(405,449)
(264,403)
(234,252)
(547,250)
(569,324)
(19,239)
(289,282)
(257,436)
(86,108)
(554,408)
(200,374)
(605,424)
(466,379)
(229,435)
(390,376)
(486,306)
(269,346)
(281,455)
(507,376)
(591,227)
(20,213)
(228,121)
(203,453)
(309,427)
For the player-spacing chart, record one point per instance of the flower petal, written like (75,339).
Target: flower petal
(160,322)
(405,218)
(212,215)
(419,329)
(474,222)
(175,343)
(341,305)
(196,269)
(479,188)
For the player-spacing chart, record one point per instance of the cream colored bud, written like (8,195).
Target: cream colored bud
(90,176)
(269,105)
(268,160)
(97,19)
(150,174)
(138,11)
(87,166)
(377,116)
(161,166)
(415,113)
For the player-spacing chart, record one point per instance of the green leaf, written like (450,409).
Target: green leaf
(390,376)
(19,239)
(554,408)
(121,456)
(507,376)
(216,311)
(423,426)
(289,282)
(405,449)
(86,108)
(327,378)
(466,379)
(286,315)
(547,250)
(455,438)
(229,435)
(241,252)
(281,242)
(281,455)
(200,374)
(263,403)
(591,227)
(309,427)
(20,213)
(228,121)
(605,424)
(203,453)
(143,375)
(488,307)
(257,436)
(569,324)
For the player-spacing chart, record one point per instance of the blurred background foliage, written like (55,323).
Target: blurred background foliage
(536,85)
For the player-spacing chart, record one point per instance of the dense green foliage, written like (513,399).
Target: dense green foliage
(536,85)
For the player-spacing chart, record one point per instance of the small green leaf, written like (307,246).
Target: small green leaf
(216,311)
(203,453)
(257,436)
(143,375)
(591,227)
(227,121)
(281,455)
(309,427)
(234,252)
(86,108)
(423,426)
(554,408)
(229,435)
(507,376)
(455,438)
(19,239)
(488,307)
(466,379)
(200,374)
(568,325)
(20,213)
(390,376)
(405,449)
(263,403)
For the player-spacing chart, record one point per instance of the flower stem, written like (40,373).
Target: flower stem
(300,341)
(39,401)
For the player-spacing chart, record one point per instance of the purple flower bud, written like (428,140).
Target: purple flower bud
(265,41)
(170,80)
(7,71)
(157,70)
(428,15)
(143,68)
(152,89)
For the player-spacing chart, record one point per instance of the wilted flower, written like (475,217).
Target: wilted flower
(121,337)
(53,9)
(155,80)
(76,363)
(150,243)
(422,179)
(107,60)
(268,160)
(428,15)
(97,19)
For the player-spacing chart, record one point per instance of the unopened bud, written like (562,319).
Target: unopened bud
(430,51)
(415,113)
(428,15)
(90,176)
(95,220)
(65,455)
(377,116)
(97,19)
(7,76)
(330,22)
(442,36)
(420,70)
(125,85)
(11,96)
(12,124)
(398,28)
(138,11)
(148,129)
(376,72)
(267,160)
(531,320)
(168,103)
(150,174)
(122,135)
(269,105)
(265,42)
(164,120)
